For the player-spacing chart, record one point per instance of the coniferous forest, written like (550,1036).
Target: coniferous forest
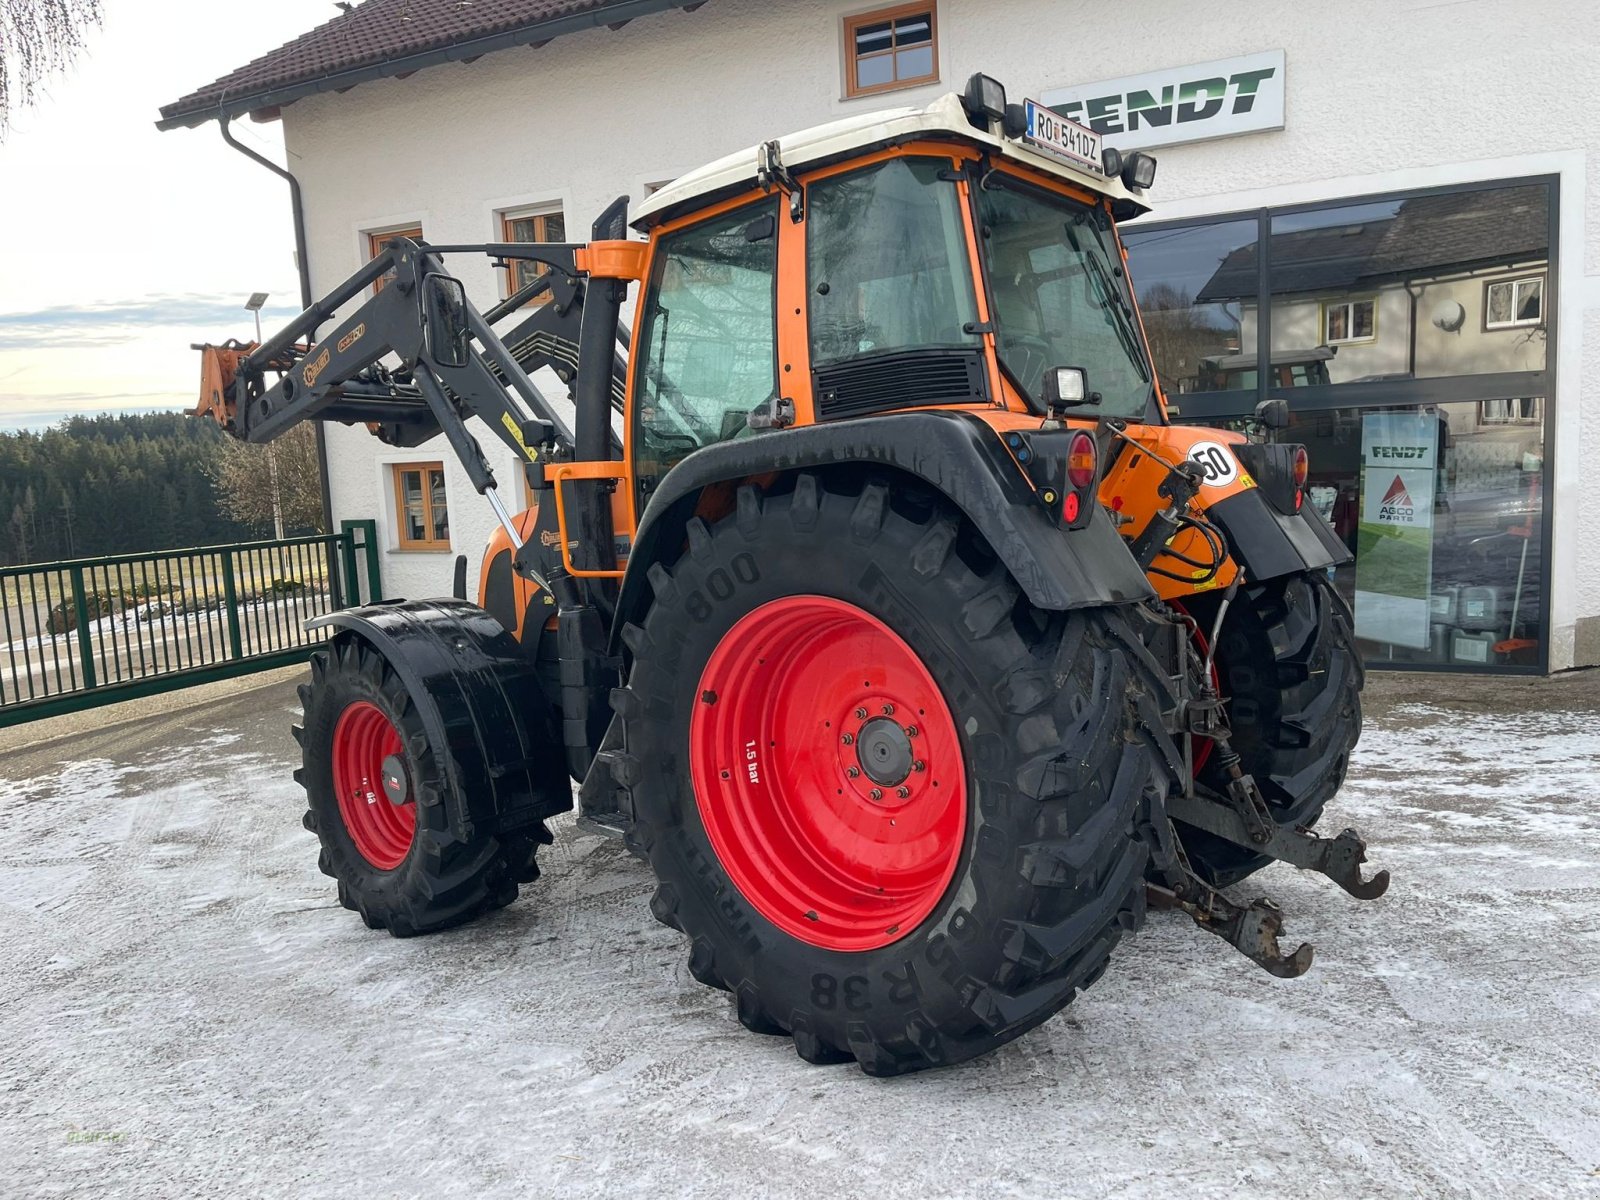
(116,485)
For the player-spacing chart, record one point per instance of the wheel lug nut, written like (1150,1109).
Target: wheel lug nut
(854,772)
(919,765)
(849,739)
(861,714)
(902,792)
(876,793)
(888,710)
(911,731)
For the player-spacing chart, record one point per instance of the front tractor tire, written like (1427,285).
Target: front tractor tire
(1288,668)
(376,796)
(899,813)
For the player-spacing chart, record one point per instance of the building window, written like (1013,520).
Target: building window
(1519,410)
(1349,321)
(545,225)
(1513,303)
(377,243)
(421,512)
(891,48)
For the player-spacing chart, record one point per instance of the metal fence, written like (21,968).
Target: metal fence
(93,631)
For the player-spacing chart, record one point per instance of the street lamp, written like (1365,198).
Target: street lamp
(254,304)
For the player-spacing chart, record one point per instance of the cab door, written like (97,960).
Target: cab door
(706,352)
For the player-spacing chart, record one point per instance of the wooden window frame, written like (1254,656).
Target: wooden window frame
(852,89)
(402,540)
(538,213)
(1350,302)
(1514,283)
(378,238)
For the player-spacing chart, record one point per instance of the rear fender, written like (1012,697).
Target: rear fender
(478,699)
(952,452)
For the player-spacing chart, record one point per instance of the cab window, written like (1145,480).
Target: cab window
(887,259)
(707,352)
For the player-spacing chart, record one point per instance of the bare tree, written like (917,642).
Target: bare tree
(256,490)
(38,38)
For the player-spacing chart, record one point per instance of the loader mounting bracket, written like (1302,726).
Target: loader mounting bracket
(1339,858)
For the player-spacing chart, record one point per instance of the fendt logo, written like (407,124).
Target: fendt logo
(1177,104)
(1396,506)
(1409,453)
(1188,103)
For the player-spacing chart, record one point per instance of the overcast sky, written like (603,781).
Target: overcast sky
(124,245)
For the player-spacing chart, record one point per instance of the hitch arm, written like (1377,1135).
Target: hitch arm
(1339,858)
(1252,931)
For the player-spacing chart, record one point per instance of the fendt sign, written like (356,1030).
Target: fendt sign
(1183,104)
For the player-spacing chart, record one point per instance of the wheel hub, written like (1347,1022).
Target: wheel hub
(884,750)
(396,783)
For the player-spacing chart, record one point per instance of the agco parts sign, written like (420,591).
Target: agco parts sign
(1184,104)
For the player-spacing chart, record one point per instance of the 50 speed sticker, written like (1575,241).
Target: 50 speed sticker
(1217,461)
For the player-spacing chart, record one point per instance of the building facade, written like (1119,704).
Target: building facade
(1388,216)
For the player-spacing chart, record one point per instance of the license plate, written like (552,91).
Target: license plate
(1056,135)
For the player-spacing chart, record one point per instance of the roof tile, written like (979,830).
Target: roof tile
(378,32)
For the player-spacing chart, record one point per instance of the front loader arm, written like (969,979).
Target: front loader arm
(435,388)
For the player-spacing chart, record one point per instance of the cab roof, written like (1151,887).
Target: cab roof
(944,118)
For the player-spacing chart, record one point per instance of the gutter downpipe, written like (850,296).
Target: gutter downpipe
(298,206)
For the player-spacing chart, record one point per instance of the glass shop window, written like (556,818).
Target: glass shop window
(1197,292)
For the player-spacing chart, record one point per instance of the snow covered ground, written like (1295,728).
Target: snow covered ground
(185,1010)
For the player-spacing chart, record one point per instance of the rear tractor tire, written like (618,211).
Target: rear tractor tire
(376,793)
(1288,667)
(899,813)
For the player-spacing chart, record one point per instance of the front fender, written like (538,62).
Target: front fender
(479,701)
(961,457)
(1269,543)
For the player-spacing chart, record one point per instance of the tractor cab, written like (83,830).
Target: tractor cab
(953,255)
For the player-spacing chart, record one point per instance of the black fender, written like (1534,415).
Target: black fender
(960,456)
(1270,543)
(482,707)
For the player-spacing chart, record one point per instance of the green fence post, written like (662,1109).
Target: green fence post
(369,540)
(351,593)
(80,608)
(230,597)
(368,530)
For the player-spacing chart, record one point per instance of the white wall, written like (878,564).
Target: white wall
(1381,96)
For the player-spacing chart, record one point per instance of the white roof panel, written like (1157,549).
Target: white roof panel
(945,117)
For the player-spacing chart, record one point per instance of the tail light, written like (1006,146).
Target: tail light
(1280,470)
(1081,462)
(1064,467)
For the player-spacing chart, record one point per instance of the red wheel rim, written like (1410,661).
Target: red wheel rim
(381,829)
(1202,745)
(828,773)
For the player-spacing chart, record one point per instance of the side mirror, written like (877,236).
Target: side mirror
(1065,387)
(1273,414)
(444,320)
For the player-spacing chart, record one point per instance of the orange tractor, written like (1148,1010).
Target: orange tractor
(871,597)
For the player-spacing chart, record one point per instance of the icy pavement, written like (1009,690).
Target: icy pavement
(184,1009)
